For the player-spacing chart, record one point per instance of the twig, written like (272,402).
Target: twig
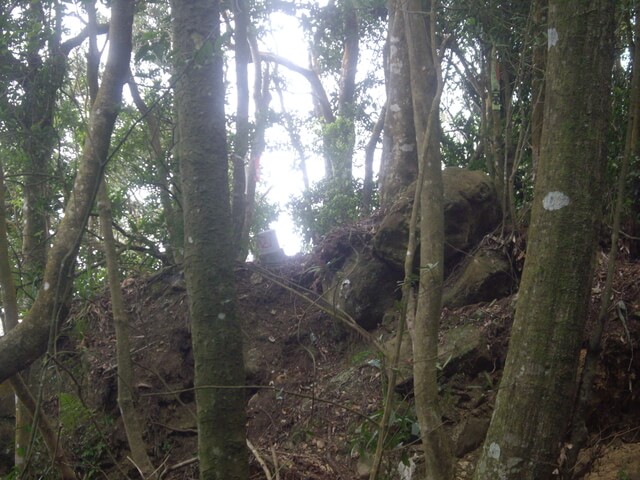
(265,387)
(322,304)
(274,457)
(260,460)
(178,466)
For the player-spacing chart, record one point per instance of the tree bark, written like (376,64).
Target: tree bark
(579,432)
(399,165)
(29,340)
(209,253)
(426,90)
(538,385)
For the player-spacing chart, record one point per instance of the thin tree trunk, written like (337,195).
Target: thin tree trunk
(126,402)
(261,100)
(121,323)
(535,397)
(243,56)
(43,79)
(294,135)
(51,439)
(426,90)
(370,150)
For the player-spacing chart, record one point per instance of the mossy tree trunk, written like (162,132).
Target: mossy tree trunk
(538,385)
(209,253)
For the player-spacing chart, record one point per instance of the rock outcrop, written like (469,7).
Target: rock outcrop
(365,285)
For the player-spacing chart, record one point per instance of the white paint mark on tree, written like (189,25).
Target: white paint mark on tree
(221,316)
(407,147)
(394,107)
(190,239)
(552,37)
(46,286)
(555,201)
(494,451)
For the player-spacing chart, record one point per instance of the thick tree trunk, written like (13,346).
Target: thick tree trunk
(579,432)
(209,253)
(399,166)
(25,343)
(538,385)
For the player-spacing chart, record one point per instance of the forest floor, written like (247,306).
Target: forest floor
(314,386)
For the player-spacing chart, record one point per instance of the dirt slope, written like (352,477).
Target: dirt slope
(314,386)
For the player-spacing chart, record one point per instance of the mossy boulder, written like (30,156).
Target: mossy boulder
(471,210)
(482,277)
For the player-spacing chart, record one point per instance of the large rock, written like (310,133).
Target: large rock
(471,210)
(365,288)
(462,348)
(482,277)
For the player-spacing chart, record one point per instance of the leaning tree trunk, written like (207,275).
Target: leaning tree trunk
(29,340)
(209,253)
(538,385)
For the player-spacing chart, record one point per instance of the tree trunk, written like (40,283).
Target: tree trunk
(426,90)
(368,183)
(209,253)
(29,340)
(25,405)
(579,432)
(537,80)
(538,385)
(399,165)
(261,100)
(43,79)
(121,322)
(241,138)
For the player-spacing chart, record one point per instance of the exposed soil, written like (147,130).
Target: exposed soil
(314,385)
